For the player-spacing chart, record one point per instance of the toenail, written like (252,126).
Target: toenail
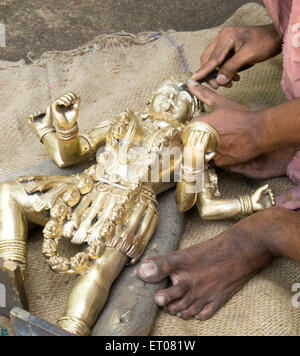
(160,300)
(179,315)
(148,269)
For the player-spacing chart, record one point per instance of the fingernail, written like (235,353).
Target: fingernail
(160,300)
(148,269)
(193,83)
(222,79)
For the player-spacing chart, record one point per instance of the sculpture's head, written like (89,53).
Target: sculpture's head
(170,104)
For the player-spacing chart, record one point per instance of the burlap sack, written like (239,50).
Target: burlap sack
(116,72)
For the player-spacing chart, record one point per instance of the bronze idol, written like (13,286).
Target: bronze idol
(111,208)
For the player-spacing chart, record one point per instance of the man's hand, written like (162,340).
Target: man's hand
(251,45)
(237,125)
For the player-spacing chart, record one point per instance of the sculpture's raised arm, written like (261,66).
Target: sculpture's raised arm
(199,185)
(58,130)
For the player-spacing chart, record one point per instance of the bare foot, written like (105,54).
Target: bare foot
(205,276)
(269,165)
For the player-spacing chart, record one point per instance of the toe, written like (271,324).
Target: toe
(149,272)
(210,309)
(179,306)
(156,269)
(193,310)
(165,297)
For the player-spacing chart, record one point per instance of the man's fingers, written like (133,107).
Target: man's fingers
(206,55)
(217,57)
(214,84)
(229,85)
(230,69)
(206,95)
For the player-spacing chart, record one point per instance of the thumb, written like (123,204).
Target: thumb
(206,95)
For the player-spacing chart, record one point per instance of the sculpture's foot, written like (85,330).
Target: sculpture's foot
(12,291)
(90,293)
(205,276)
(12,275)
(15,251)
(74,326)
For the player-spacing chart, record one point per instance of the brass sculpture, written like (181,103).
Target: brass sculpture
(111,208)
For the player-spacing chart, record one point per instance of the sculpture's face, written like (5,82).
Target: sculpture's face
(169,104)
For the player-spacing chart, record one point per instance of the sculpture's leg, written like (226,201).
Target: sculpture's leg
(13,224)
(90,293)
(13,234)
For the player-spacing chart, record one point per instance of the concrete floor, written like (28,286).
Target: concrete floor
(37,26)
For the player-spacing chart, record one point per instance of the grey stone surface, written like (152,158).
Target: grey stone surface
(131,308)
(38,26)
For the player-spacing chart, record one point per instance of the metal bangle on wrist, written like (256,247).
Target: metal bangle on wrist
(246,205)
(67,135)
(189,175)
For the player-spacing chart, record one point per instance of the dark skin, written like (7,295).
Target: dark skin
(251,45)
(205,276)
(258,144)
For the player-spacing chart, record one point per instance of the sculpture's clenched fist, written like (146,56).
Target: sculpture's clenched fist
(65,110)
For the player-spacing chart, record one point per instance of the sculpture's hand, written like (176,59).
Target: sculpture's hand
(65,110)
(41,123)
(71,226)
(198,139)
(262,198)
(200,142)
